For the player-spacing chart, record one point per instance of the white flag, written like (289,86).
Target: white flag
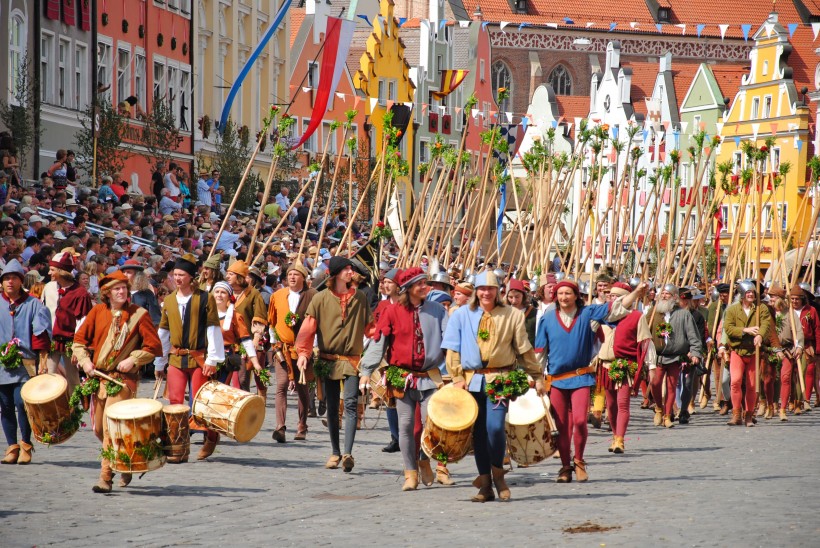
(815,28)
(464,24)
(755,130)
(509,117)
(682,27)
(503,24)
(723,29)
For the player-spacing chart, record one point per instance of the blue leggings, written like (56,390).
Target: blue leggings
(393,422)
(489,438)
(10,401)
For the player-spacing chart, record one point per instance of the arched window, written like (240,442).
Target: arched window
(17,51)
(560,80)
(502,78)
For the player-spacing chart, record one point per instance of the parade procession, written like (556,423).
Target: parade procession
(506,252)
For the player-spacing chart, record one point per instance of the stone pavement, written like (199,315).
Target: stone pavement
(705,484)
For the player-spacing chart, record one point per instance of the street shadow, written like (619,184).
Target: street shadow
(271,462)
(677,449)
(188,491)
(9,513)
(75,464)
(555,496)
(666,478)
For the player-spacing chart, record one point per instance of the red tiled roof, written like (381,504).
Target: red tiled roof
(297,15)
(688,12)
(644,76)
(572,107)
(728,77)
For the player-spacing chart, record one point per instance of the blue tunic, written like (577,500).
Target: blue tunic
(570,349)
(30,319)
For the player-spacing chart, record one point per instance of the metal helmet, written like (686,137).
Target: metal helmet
(634,282)
(384,265)
(806,287)
(670,288)
(318,275)
(441,278)
(746,285)
(499,273)
(559,276)
(470,279)
(714,295)
(534,282)
(583,288)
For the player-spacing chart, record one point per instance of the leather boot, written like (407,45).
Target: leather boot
(769,412)
(485,489)
(580,470)
(783,417)
(208,448)
(658,420)
(105,482)
(736,419)
(125,480)
(704,399)
(761,409)
(26,450)
(347,463)
(411,480)
(724,409)
(262,391)
(426,472)
(750,415)
(392,447)
(667,421)
(619,445)
(564,475)
(500,484)
(12,454)
(594,419)
(279,435)
(360,410)
(443,475)
(612,445)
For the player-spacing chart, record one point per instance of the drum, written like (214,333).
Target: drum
(176,437)
(230,411)
(135,427)
(376,387)
(448,433)
(46,400)
(529,429)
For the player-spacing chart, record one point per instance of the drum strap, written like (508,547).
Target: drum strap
(568,375)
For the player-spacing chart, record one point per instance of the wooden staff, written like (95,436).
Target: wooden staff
(99,373)
(157,386)
(332,188)
(262,136)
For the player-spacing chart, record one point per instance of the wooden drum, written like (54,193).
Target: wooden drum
(46,400)
(448,433)
(134,427)
(176,436)
(529,429)
(230,411)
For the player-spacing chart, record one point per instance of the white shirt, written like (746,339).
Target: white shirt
(215,352)
(293,300)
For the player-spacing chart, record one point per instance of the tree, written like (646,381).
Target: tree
(160,136)
(111,151)
(232,156)
(18,116)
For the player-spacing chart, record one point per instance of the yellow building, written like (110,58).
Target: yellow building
(767,106)
(225,34)
(384,78)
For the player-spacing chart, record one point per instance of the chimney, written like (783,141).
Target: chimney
(666,62)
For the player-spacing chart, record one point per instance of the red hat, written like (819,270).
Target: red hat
(63,261)
(110,280)
(408,277)
(621,289)
(565,283)
(132,264)
(518,285)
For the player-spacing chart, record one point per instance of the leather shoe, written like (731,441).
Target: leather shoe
(279,435)
(392,447)
(208,448)
(347,463)
(322,408)
(125,480)
(300,436)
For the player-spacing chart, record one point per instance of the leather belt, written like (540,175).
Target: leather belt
(485,370)
(336,357)
(184,351)
(413,372)
(569,375)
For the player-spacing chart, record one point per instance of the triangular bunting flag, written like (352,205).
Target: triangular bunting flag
(659,27)
(590,24)
(484,25)
(340,95)
(402,20)
(792,28)
(633,24)
(815,28)
(441,24)
(645,134)
(305,89)
(554,124)
(474,112)
(464,24)
(424,109)
(774,128)
(702,126)
(458,110)
(549,25)
(746,27)
(799,145)
(719,127)
(700,29)
(356,100)
(503,24)
(755,130)
(389,105)
(737,141)
(509,117)
(373,102)
(683,126)
(682,27)
(612,26)
(524,123)
(522,25)
(723,29)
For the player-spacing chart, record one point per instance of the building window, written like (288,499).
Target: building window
(80,76)
(123,75)
(173,92)
(310,144)
(696,123)
(765,68)
(502,78)
(481,70)
(313,75)
(424,150)
(767,106)
(391,90)
(17,48)
(755,108)
(159,81)
(327,131)
(561,81)
(63,79)
(737,162)
(775,160)
(139,76)
(185,97)
(382,96)
(46,66)
(724,215)
(104,67)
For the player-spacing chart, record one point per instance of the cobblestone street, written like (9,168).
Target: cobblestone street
(705,484)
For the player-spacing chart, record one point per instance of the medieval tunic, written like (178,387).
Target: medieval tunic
(282,302)
(628,339)
(192,323)
(339,323)
(28,320)
(68,306)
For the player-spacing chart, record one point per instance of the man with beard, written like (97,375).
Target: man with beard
(714,317)
(690,298)
(676,341)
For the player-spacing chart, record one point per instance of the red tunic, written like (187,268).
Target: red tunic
(625,345)
(406,347)
(74,303)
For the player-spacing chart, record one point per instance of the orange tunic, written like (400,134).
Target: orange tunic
(142,342)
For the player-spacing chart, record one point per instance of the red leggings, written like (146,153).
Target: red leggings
(570,407)
(767,374)
(785,382)
(178,381)
(741,367)
(617,408)
(811,374)
(672,371)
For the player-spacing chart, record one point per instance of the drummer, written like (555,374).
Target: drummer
(26,319)
(485,338)
(566,339)
(409,334)
(191,340)
(117,338)
(234,332)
